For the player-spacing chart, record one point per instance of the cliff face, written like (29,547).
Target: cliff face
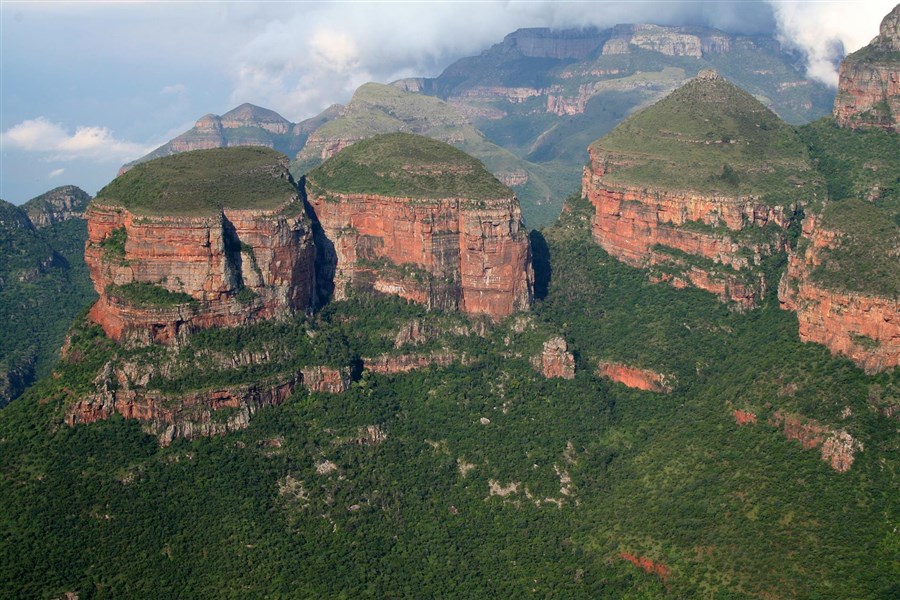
(869,83)
(448,254)
(555,360)
(59,204)
(641,226)
(209,261)
(641,379)
(863,327)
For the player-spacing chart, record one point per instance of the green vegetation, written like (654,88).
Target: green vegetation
(862,174)
(732,511)
(411,166)
(114,244)
(148,294)
(44,284)
(203,182)
(712,137)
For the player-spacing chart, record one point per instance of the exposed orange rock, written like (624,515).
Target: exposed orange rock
(555,360)
(865,328)
(642,379)
(269,252)
(838,448)
(648,565)
(869,82)
(326,379)
(744,417)
(632,222)
(448,253)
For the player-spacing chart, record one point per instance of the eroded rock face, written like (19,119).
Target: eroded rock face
(237,266)
(450,254)
(869,82)
(59,204)
(637,224)
(838,448)
(388,364)
(555,360)
(642,379)
(865,328)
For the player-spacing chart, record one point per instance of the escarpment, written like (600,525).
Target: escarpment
(700,189)
(225,241)
(407,215)
(869,81)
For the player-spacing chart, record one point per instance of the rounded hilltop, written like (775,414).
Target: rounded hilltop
(408,166)
(709,136)
(203,182)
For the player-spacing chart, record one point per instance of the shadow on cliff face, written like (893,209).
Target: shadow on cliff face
(233,259)
(326,256)
(540,262)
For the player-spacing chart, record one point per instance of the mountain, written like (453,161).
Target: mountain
(207,238)
(701,188)
(43,284)
(545,94)
(377,109)
(58,205)
(869,85)
(408,215)
(246,125)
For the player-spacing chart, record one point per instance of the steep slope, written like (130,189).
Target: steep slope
(246,125)
(869,85)
(545,95)
(843,280)
(58,205)
(205,238)
(43,285)
(701,189)
(377,109)
(411,216)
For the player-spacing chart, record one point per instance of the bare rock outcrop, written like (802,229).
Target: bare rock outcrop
(555,360)
(633,377)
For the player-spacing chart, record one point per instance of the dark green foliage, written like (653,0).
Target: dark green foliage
(406,165)
(862,174)
(148,294)
(44,283)
(203,182)
(114,244)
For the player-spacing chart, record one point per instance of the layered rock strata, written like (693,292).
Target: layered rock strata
(837,447)
(863,327)
(450,254)
(59,204)
(869,81)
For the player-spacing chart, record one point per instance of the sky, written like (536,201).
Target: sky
(87,86)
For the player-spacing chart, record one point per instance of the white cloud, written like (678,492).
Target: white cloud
(824,31)
(55,173)
(97,144)
(178,88)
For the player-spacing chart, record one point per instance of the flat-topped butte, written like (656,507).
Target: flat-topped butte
(709,136)
(408,166)
(203,183)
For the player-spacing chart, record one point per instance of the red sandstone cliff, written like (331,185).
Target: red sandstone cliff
(641,379)
(211,259)
(869,84)
(632,223)
(865,328)
(555,360)
(449,253)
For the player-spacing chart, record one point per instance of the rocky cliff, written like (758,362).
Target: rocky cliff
(686,189)
(58,205)
(406,215)
(633,377)
(869,84)
(555,359)
(865,327)
(242,249)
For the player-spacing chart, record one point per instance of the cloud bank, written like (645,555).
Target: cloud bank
(97,144)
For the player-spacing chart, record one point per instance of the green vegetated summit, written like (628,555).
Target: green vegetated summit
(407,165)
(203,182)
(710,136)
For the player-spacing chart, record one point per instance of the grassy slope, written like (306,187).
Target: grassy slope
(733,511)
(862,172)
(376,109)
(710,136)
(407,165)
(202,182)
